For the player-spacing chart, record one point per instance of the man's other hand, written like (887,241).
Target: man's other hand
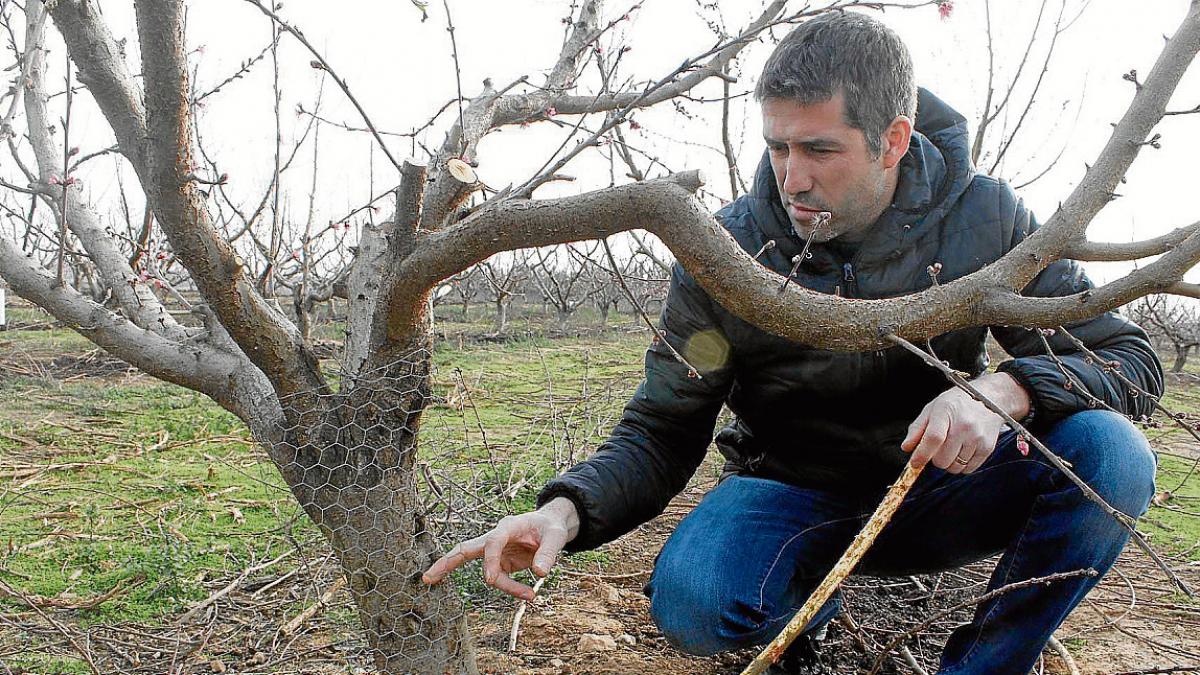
(529,541)
(958,433)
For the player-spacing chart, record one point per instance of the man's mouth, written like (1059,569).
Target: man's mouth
(807,216)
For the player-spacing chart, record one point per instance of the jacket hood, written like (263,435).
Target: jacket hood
(934,174)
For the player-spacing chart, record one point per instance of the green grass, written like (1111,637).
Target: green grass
(1175,524)
(117,505)
(49,665)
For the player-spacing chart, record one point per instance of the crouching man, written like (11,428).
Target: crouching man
(818,435)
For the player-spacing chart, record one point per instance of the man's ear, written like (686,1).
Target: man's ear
(895,141)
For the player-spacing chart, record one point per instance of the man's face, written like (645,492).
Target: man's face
(823,164)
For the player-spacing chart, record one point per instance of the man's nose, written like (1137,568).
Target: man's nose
(799,178)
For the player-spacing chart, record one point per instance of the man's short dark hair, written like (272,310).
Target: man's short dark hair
(851,53)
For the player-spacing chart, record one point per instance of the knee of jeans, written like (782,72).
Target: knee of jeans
(1113,457)
(696,620)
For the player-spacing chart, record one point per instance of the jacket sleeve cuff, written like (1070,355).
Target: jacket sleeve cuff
(1013,369)
(560,488)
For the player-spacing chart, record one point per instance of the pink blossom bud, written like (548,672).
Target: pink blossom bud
(945,9)
(223,179)
(54,180)
(633,124)
(72,152)
(1023,446)
(158,283)
(551,111)
(295,255)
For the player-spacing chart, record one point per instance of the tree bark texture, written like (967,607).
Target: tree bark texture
(349,461)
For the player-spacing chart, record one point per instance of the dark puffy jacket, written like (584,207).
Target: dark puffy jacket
(813,417)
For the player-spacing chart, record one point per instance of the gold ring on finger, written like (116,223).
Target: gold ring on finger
(960,460)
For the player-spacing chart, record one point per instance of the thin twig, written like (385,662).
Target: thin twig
(65,180)
(462,124)
(1138,391)
(231,586)
(1061,649)
(520,614)
(66,632)
(1036,581)
(322,64)
(309,612)
(912,661)
(692,372)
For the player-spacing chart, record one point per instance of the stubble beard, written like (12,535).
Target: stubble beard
(851,221)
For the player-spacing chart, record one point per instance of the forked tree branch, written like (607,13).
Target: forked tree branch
(226,378)
(164,167)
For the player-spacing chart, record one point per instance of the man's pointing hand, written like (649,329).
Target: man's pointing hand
(528,541)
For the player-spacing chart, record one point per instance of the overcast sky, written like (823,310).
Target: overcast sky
(401,70)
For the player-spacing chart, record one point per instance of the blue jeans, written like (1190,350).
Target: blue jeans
(743,561)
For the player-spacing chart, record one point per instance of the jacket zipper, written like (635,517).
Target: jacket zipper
(852,291)
(850,279)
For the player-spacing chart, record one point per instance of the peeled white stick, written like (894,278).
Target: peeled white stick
(845,565)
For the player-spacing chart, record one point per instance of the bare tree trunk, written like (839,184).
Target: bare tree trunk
(501,316)
(304,308)
(1181,354)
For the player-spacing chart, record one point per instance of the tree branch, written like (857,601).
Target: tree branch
(135,298)
(102,70)
(1095,190)
(228,379)
(1114,251)
(263,333)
